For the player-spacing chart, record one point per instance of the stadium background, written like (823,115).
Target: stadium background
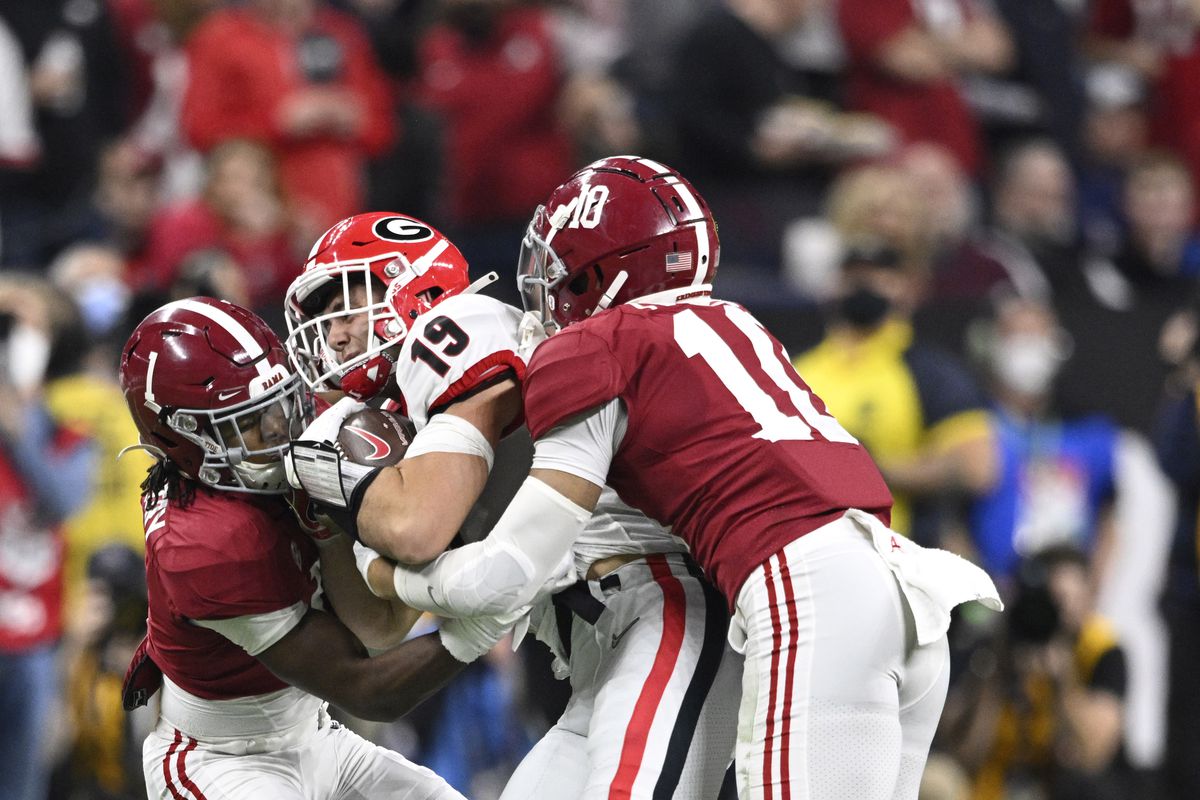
(1018,175)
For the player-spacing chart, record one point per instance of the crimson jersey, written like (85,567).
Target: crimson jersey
(225,555)
(725,442)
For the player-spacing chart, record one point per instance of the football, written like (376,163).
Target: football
(375,438)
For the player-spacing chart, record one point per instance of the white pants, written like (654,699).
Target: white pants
(838,700)
(330,763)
(653,710)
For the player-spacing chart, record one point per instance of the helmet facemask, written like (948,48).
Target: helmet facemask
(244,444)
(539,270)
(309,323)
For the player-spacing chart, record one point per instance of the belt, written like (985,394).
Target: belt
(578,600)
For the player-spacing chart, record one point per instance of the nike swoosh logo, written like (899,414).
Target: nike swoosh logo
(221,396)
(617,637)
(380,447)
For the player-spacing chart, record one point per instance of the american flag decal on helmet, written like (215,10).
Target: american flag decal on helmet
(679,262)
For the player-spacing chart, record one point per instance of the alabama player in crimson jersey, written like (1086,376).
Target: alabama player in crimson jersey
(691,411)
(384,309)
(240,637)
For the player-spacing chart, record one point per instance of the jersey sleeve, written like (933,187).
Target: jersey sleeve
(953,407)
(462,345)
(570,373)
(242,568)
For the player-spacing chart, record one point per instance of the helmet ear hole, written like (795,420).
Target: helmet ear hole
(580,283)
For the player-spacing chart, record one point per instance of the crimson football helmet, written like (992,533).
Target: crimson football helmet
(620,229)
(209,388)
(403,266)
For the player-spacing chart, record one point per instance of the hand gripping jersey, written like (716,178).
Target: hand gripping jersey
(725,443)
(462,345)
(224,556)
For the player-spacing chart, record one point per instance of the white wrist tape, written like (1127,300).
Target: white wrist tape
(447,433)
(363,556)
(507,569)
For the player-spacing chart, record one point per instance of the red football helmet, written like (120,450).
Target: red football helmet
(620,229)
(403,266)
(209,387)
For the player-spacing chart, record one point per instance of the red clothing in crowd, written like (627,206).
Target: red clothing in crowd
(241,72)
(267,261)
(504,148)
(1175,105)
(935,111)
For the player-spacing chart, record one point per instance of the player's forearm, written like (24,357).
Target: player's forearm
(377,622)
(394,683)
(412,512)
(529,545)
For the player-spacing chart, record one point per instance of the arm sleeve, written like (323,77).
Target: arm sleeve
(530,544)
(256,632)
(56,465)
(585,447)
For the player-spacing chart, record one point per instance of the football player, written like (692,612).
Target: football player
(690,410)
(384,309)
(241,639)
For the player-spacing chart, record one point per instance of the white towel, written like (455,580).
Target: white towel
(933,581)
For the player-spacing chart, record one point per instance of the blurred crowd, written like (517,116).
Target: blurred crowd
(972,223)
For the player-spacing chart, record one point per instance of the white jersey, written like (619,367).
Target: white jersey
(470,340)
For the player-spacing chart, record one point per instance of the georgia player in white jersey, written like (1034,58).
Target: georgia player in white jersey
(240,640)
(384,306)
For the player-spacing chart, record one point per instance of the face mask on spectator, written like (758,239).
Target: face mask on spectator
(1027,363)
(864,307)
(28,354)
(102,302)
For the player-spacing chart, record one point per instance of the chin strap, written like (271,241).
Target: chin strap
(611,293)
(149,448)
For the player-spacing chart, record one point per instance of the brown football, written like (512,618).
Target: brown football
(375,438)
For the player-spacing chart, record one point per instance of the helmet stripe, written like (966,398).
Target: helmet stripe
(232,327)
(654,165)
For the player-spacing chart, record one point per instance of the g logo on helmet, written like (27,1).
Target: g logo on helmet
(401,229)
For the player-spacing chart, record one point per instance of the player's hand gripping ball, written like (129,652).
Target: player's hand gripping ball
(375,438)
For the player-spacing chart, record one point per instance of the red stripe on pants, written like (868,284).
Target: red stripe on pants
(636,735)
(191,787)
(789,594)
(777,646)
(167,767)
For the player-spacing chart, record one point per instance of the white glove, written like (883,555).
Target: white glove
(315,464)
(470,637)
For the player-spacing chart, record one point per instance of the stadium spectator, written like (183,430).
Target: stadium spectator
(758,140)
(1057,476)
(1130,296)
(77,86)
(1177,442)
(45,476)
(241,212)
(907,61)
(1048,721)
(915,408)
(492,73)
(1033,231)
(101,744)
(1115,134)
(1161,41)
(300,78)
